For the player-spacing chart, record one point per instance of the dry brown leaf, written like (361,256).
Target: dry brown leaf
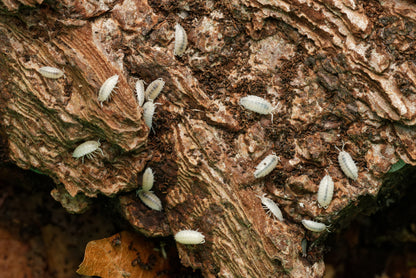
(122,255)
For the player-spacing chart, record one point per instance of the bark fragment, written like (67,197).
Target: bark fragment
(338,76)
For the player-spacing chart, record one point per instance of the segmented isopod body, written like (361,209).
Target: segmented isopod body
(313,226)
(107,88)
(154,89)
(271,207)
(181,40)
(163,251)
(266,166)
(148,111)
(347,164)
(256,104)
(148,179)
(140,91)
(304,245)
(51,72)
(87,149)
(150,199)
(325,191)
(189,237)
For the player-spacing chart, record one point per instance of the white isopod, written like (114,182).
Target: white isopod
(51,72)
(304,245)
(266,166)
(258,105)
(163,251)
(313,226)
(87,149)
(154,89)
(181,40)
(189,237)
(148,111)
(107,88)
(150,199)
(271,207)
(140,91)
(325,191)
(148,179)
(347,164)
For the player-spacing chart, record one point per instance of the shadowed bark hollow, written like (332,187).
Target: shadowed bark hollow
(338,71)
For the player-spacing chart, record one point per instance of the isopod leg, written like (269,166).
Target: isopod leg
(274,108)
(343,145)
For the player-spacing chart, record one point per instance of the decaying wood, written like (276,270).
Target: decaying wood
(341,71)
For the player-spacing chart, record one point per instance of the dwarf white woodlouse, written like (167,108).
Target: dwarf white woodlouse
(266,166)
(148,111)
(87,149)
(181,40)
(189,237)
(154,89)
(51,72)
(325,191)
(304,245)
(313,226)
(271,207)
(347,164)
(107,88)
(257,104)
(148,178)
(163,251)
(150,199)
(140,91)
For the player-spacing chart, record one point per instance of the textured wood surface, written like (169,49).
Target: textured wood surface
(341,71)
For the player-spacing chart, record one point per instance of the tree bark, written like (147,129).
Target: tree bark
(337,71)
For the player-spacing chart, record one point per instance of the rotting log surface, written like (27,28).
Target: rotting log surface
(341,71)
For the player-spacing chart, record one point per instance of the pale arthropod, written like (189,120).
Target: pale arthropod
(304,245)
(313,226)
(181,40)
(347,164)
(154,89)
(271,207)
(150,199)
(325,191)
(148,111)
(140,91)
(51,72)
(163,251)
(257,104)
(189,237)
(148,179)
(107,88)
(87,149)
(266,166)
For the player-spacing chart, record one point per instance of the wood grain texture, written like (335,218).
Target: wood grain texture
(342,71)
